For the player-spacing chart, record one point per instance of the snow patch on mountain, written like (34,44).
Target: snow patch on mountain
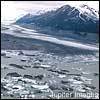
(89,12)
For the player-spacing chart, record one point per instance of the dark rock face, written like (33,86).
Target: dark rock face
(21,53)
(96,74)
(7,57)
(78,78)
(90,86)
(19,80)
(14,74)
(64,82)
(3,54)
(27,66)
(28,76)
(54,87)
(67,88)
(3,88)
(17,66)
(64,70)
(37,91)
(40,77)
(57,71)
(23,60)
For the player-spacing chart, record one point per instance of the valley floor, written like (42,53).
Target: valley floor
(32,68)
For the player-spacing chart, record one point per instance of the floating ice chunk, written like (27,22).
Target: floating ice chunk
(75,81)
(4,80)
(62,76)
(79,69)
(80,89)
(86,72)
(42,65)
(16,78)
(14,53)
(71,80)
(29,80)
(24,58)
(86,80)
(41,87)
(33,96)
(9,86)
(24,92)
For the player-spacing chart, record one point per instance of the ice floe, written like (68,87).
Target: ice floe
(41,87)
(61,76)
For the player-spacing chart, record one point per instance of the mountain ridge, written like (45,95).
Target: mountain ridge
(66,18)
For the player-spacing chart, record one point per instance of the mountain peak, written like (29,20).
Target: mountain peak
(89,12)
(65,6)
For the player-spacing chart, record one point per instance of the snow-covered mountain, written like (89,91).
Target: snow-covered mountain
(78,19)
(89,12)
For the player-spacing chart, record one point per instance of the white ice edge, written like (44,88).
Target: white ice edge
(42,65)
(41,87)
(61,76)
